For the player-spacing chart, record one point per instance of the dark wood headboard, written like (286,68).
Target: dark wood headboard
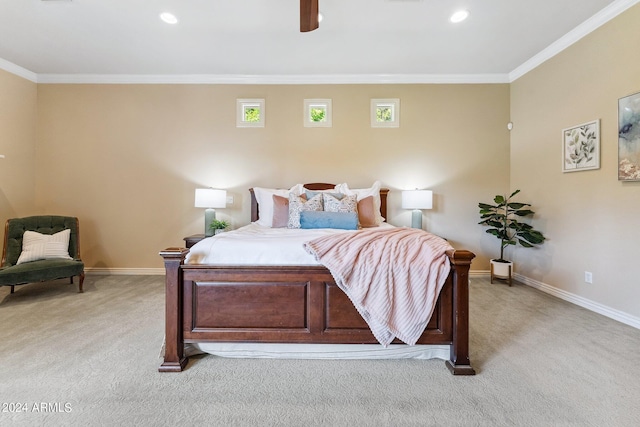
(319,186)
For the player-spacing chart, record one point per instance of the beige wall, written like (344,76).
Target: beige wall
(18,101)
(590,218)
(127,158)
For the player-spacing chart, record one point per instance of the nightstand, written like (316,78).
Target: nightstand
(192,240)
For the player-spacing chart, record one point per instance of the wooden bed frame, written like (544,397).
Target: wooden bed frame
(292,304)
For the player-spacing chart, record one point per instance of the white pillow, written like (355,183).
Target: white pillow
(37,246)
(362,193)
(264,197)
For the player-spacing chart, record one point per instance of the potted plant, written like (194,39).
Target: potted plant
(218,226)
(502,218)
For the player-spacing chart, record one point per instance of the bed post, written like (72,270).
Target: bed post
(458,362)
(174,359)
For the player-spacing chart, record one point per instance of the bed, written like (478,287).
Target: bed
(293,304)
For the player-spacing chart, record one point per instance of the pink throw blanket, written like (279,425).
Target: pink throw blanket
(393,276)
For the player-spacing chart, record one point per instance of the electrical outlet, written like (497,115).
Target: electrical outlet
(588,277)
(229,200)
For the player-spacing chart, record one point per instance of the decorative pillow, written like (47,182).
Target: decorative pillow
(310,194)
(281,211)
(36,246)
(264,197)
(323,219)
(346,204)
(299,204)
(361,193)
(366,213)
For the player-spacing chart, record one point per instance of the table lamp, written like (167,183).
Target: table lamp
(210,198)
(417,200)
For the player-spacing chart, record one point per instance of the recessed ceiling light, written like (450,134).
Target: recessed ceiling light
(459,16)
(169,18)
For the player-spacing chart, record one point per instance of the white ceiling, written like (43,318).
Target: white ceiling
(359,40)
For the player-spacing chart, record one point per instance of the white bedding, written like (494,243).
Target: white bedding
(255,244)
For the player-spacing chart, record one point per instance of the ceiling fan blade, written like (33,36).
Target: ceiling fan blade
(308,15)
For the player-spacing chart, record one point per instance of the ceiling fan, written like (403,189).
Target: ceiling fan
(308,15)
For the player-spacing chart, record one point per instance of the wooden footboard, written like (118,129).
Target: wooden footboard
(206,303)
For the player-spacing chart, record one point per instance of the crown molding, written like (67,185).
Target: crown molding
(587,27)
(18,70)
(278,79)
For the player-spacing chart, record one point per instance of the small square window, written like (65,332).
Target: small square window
(250,113)
(317,113)
(385,113)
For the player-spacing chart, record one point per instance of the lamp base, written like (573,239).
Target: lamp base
(416,219)
(209,216)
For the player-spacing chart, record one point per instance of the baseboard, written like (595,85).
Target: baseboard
(479,273)
(125,271)
(609,312)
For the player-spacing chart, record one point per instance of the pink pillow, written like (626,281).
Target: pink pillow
(280,211)
(367,213)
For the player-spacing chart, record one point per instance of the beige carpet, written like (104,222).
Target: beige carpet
(92,359)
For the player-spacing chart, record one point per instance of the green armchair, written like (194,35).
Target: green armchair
(12,273)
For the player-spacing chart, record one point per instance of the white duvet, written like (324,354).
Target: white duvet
(255,244)
(259,245)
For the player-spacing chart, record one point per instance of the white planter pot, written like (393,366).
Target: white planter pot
(503,270)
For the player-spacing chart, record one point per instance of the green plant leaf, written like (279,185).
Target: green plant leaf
(493,231)
(524,212)
(525,243)
(533,236)
(499,199)
(486,206)
(515,205)
(496,224)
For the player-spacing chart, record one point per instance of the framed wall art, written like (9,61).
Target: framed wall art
(581,147)
(629,138)
(250,113)
(317,113)
(385,113)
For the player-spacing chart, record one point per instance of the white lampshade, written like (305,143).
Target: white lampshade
(417,199)
(211,198)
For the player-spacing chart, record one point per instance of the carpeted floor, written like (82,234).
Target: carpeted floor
(91,359)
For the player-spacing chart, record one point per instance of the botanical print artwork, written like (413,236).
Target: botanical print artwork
(629,138)
(581,147)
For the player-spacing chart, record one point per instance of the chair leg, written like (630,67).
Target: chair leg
(12,288)
(81,281)
(71,280)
